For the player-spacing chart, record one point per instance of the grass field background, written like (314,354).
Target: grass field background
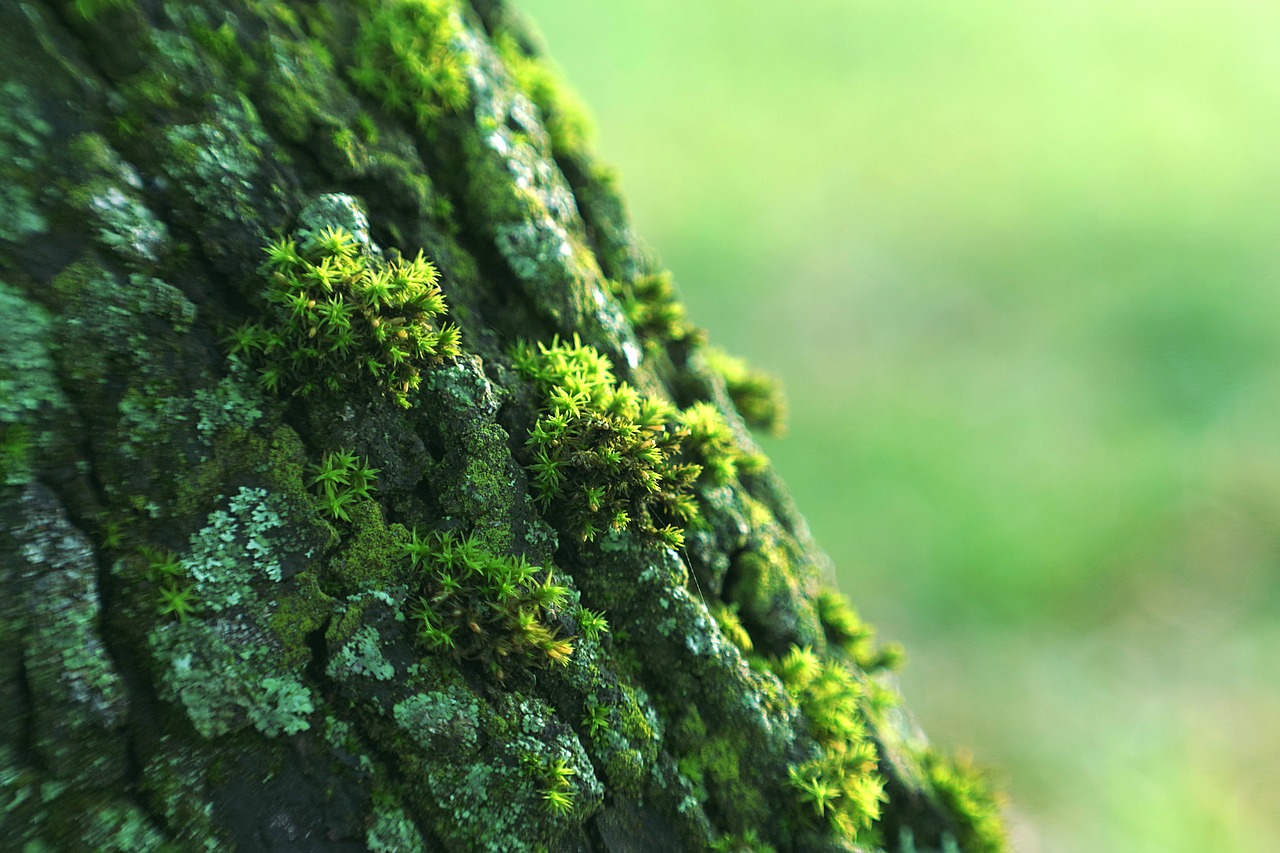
(1017,265)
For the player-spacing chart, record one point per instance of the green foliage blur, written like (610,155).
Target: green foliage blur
(1017,265)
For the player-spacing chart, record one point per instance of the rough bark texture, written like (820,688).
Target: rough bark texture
(206,645)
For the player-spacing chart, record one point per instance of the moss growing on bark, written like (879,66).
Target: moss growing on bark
(622,699)
(341,317)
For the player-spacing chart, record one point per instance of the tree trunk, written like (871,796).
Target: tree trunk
(305,550)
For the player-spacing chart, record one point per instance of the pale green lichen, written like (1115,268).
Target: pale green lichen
(24,135)
(362,655)
(218,163)
(393,831)
(338,210)
(75,687)
(529,209)
(451,715)
(222,667)
(121,220)
(30,394)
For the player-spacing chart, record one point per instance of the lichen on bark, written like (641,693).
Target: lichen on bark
(198,653)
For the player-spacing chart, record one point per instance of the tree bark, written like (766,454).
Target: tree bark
(212,637)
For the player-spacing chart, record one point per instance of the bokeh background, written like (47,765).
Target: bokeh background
(1016,262)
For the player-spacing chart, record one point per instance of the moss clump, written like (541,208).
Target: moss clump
(709,441)
(726,616)
(845,629)
(341,316)
(603,456)
(407,56)
(483,606)
(177,598)
(756,395)
(971,799)
(555,784)
(650,303)
(839,789)
(340,480)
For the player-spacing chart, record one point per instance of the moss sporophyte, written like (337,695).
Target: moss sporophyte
(340,317)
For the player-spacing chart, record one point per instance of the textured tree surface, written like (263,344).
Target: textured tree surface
(364,486)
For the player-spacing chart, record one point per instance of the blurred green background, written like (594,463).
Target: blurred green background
(1016,263)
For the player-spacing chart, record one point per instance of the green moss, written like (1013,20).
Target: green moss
(709,441)
(846,630)
(340,481)
(773,581)
(756,395)
(726,616)
(89,10)
(603,457)
(625,742)
(297,616)
(839,788)
(341,318)
(407,56)
(971,799)
(370,552)
(484,606)
(655,312)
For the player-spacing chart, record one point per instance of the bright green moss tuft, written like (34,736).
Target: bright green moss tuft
(746,842)
(726,616)
(756,395)
(340,480)
(487,607)
(177,597)
(845,629)
(840,788)
(971,799)
(556,785)
(341,317)
(407,56)
(709,441)
(655,312)
(603,457)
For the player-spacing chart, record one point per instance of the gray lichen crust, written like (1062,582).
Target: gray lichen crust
(540,592)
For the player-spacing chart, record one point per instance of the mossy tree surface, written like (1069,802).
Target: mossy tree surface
(305,548)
